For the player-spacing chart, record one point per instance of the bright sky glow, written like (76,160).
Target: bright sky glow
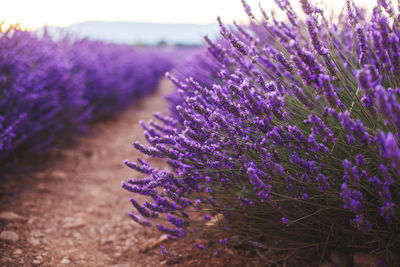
(37,13)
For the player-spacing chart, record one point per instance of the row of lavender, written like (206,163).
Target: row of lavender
(50,90)
(287,135)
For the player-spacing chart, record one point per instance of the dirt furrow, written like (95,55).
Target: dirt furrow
(74,212)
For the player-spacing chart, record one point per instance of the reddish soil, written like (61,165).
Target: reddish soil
(74,212)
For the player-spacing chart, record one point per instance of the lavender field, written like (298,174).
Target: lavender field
(276,144)
(51,90)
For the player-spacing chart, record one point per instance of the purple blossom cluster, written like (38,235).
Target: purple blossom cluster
(289,130)
(49,89)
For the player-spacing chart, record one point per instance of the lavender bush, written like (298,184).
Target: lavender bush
(49,90)
(292,141)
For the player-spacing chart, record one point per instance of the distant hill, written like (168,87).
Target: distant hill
(137,32)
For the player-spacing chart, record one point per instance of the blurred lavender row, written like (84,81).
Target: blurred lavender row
(49,89)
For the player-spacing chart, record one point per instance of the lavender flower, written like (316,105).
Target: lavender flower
(350,12)
(308,8)
(247,9)
(362,43)
(389,149)
(164,251)
(312,29)
(284,134)
(355,130)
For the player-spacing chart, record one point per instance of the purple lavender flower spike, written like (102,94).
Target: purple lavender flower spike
(319,127)
(362,44)
(142,222)
(389,149)
(387,5)
(312,29)
(355,130)
(329,92)
(308,8)
(165,252)
(247,9)
(350,12)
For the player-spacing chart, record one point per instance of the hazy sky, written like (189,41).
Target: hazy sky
(36,13)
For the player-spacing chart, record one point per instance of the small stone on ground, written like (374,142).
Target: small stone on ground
(9,236)
(11,216)
(65,261)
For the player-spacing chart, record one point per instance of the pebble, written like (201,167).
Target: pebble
(215,220)
(65,261)
(36,262)
(59,175)
(38,234)
(71,223)
(229,251)
(90,210)
(9,236)
(11,216)
(49,230)
(77,235)
(34,241)
(108,240)
(153,244)
(42,188)
(17,252)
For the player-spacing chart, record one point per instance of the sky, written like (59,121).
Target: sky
(37,13)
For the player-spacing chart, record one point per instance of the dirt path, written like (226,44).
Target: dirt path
(74,213)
